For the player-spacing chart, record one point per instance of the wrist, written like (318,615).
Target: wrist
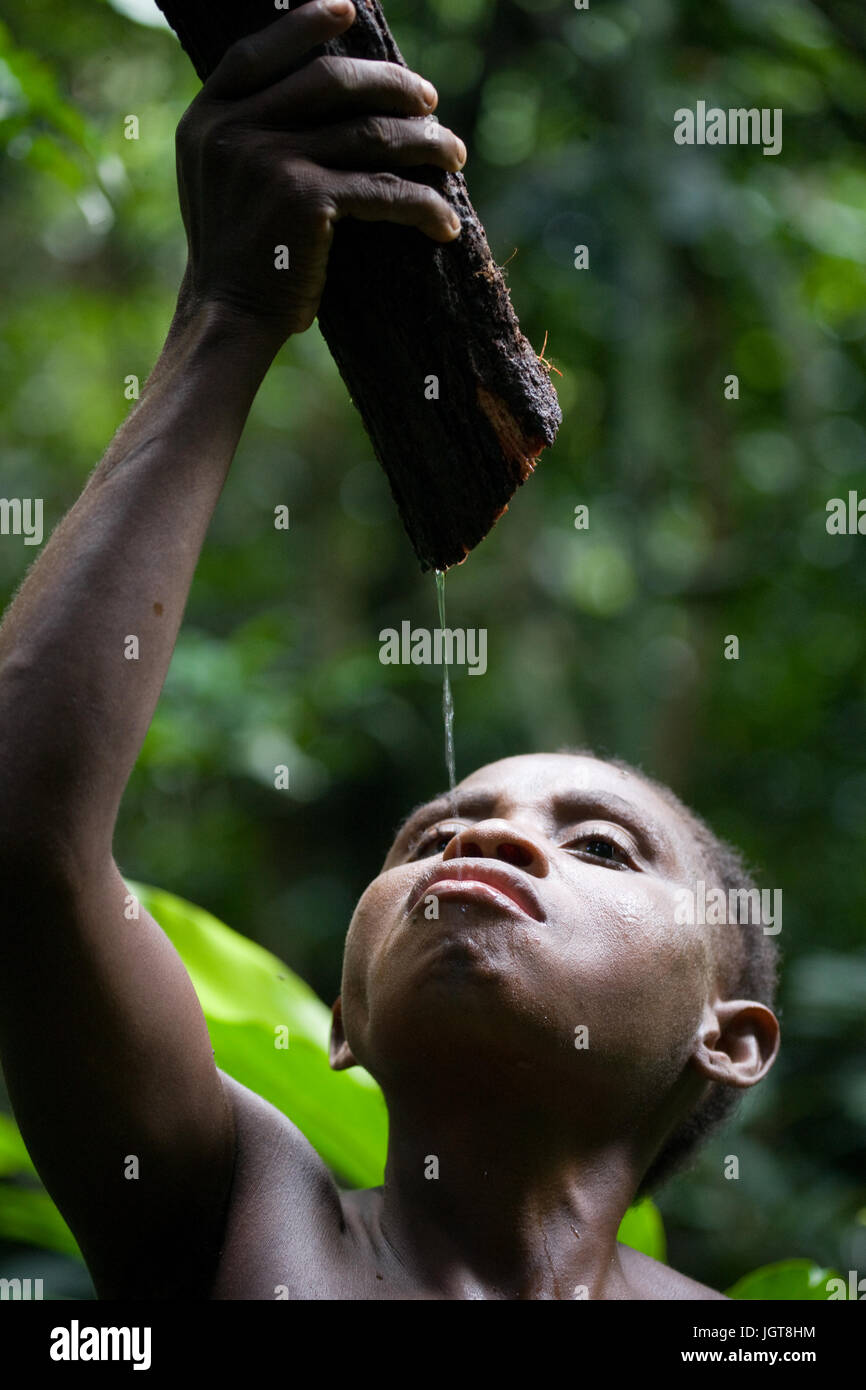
(209,371)
(213,323)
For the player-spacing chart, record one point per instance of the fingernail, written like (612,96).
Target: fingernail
(428,91)
(338,7)
(455,222)
(461,152)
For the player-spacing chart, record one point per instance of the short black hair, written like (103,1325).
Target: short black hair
(749,969)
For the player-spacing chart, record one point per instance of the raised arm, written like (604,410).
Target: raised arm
(103,1044)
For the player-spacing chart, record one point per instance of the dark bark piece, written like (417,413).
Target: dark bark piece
(399,308)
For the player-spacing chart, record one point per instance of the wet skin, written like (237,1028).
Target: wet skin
(468,1022)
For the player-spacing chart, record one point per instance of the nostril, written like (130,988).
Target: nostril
(470,849)
(517,855)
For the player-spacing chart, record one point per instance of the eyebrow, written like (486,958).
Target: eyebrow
(653,842)
(436,809)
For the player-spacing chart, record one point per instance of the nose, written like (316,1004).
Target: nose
(496,839)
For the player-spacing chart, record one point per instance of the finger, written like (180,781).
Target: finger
(388,198)
(383,142)
(332,87)
(257,61)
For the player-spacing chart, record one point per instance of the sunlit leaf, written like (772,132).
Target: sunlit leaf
(643,1229)
(14,1158)
(789,1279)
(29,1217)
(246,994)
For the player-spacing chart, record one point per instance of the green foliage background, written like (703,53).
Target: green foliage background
(707,516)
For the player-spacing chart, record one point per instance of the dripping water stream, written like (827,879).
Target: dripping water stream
(447,698)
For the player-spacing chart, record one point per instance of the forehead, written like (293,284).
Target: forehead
(557,786)
(540,777)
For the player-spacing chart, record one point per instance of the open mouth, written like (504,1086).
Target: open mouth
(503,887)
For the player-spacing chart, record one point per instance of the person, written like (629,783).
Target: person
(539,904)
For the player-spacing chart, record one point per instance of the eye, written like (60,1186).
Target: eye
(432,841)
(602,848)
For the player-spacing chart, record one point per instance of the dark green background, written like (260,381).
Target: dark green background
(707,516)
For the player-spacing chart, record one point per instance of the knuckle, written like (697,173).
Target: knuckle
(309,200)
(352,73)
(330,69)
(216,140)
(388,185)
(296,182)
(246,54)
(194,135)
(234,69)
(321,218)
(191,122)
(378,130)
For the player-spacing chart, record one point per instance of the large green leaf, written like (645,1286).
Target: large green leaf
(29,1217)
(14,1158)
(789,1279)
(27,1213)
(642,1228)
(246,995)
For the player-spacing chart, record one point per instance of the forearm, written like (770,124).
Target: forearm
(75,698)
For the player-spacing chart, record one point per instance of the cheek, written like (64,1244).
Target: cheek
(645,919)
(356,953)
(646,980)
(368,928)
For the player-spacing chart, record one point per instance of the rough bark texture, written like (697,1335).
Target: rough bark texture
(399,308)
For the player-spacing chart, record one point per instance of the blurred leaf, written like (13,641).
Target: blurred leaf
(40,91)
(789,1279)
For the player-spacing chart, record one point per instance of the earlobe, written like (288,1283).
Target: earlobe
(340,1054)
(737,1043)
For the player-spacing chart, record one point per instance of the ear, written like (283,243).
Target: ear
(737,1042)
(340,1054)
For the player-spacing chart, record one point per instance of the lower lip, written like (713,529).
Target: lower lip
(473,889)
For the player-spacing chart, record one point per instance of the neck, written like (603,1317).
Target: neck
(491,1205)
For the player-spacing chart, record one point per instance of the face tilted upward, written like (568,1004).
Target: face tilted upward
(569,924)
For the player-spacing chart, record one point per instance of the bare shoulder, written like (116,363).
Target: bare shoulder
(267,1141)
(651,1279)
(284,1222)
